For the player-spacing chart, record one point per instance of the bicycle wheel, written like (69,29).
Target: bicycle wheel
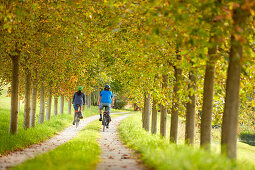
(77,120)
(103,123)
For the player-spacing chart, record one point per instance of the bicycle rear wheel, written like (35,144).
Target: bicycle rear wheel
(103,122)
(77,120)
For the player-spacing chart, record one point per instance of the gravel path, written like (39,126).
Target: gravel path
(18,157)
(115,156)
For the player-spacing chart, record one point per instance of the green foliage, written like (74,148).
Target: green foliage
(156,152)
(120,104)
(248,138)
(82,152)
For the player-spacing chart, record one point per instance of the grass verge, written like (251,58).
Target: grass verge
(30,136)
(82,152)
(39,133)
(156,152)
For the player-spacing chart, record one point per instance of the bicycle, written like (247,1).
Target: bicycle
(106,120)
(78,115)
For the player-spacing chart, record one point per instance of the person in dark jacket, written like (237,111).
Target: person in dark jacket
(78,99)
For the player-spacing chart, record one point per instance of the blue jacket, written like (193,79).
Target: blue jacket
(106,96)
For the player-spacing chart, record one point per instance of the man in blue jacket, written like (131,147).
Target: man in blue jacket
(105,100)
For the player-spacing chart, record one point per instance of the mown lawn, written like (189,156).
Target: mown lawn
(158,153)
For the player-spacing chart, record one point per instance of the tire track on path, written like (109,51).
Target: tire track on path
(115,156)
(17,157)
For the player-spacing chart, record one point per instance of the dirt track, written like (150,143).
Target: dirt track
(115,156)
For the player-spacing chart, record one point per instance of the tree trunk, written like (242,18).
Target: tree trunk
(175,107)
(163,118)
(19,106)
(42,104)
(98,93)
(231,108)
(83,107)
(94,98)
(154,119)
(14,95)
(33,104)
(62,101)
(48,113)
(191,110)
(69,105)
(27,107)
(146,112)
(55,105)
(89,100)
(207,108)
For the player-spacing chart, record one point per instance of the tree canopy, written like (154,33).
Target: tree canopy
(131,44)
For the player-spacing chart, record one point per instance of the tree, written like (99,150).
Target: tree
(191,110)
(231,108)
(146,111)
(163,110)
(175,105)
(154,118)
(27,107)
(14,93)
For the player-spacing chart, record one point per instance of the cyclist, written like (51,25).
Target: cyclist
(78,99)
(105,100)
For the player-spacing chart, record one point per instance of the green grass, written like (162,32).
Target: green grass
(25,138)
(156,152)
(82,152)
(40,133)
(245,152)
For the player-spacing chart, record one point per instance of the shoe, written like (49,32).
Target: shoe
(74,122)
(100,119)
(107,126)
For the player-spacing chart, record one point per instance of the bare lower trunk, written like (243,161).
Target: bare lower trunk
(14,95)
(98,93)
(146,112)
(154,119)
(48,113)
(207,108)
(19,106)
(89,100)
(94,98)
(163,110)
(69,106)
(62,101)
(55,106)
(27,106)
(230,116)
(231,108)
(83,107)
(190,112)
(42,104)
(33,105)
(163,121)
(175,108)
